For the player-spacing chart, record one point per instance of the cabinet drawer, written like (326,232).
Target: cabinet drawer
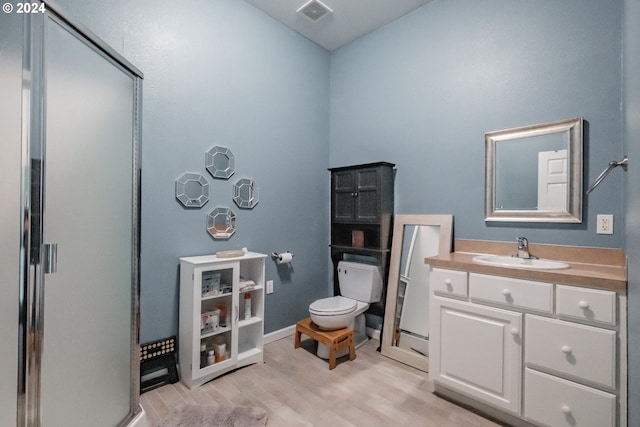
(586,304)
(517,293)
(552,401)
(579,351)
(449,282)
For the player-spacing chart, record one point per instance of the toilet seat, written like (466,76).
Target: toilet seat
(333,306)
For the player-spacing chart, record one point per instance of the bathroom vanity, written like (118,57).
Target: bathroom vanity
(221,312)
(532,347)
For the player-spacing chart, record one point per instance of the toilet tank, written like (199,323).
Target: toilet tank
(361,282)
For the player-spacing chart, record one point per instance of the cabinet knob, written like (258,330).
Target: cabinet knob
(447,283)
(565,349)
(566,409)
(583,305)
(515,332)
(506,292)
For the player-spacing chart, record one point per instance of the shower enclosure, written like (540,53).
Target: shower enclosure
(69,126)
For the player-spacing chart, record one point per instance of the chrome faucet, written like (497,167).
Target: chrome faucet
(523,249)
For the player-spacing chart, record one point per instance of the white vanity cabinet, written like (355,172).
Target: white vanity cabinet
(213,297)
(539,353)
(479,351)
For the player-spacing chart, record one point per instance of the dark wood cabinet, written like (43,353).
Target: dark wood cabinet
(362,216)
(356,195)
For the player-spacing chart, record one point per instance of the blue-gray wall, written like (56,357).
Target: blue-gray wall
(631,106)
(422,91)
(224,73)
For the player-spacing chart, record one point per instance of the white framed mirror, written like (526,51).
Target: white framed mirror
(405,335)
(192,190)
(220,162)
(534,173)
(221,223)
(245,193)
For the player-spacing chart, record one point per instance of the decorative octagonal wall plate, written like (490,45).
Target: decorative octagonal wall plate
(245,193)
(221,223)
(192,190)
(220,162)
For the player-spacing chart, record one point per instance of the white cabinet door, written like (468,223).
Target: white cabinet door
(477,351)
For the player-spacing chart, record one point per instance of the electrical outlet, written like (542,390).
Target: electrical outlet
(269,286)
(605,224)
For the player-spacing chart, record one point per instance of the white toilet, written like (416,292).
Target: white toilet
(360,285)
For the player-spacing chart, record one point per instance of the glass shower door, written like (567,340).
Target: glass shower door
(89,107)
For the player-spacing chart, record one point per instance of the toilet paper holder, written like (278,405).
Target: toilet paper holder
(278,256)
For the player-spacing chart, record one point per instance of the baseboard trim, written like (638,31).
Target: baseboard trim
(140,419)
(279,334)
(374,333)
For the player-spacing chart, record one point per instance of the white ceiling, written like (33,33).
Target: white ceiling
(350,18)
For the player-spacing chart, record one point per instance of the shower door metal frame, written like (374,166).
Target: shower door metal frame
(32,251)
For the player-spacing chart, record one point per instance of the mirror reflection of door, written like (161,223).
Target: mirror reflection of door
(552,180)
(412,315)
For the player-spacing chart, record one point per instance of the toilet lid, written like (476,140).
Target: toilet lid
(333,306)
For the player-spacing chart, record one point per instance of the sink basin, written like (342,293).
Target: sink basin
(507,261)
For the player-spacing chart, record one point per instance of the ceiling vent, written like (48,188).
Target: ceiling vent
(314,10)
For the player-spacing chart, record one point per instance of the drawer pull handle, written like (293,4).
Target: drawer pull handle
(565,349)
(583,305)
(515,332)
(566,409)
(506,292)
(447,283)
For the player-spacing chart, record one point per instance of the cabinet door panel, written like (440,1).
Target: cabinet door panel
(367,195)
(343,181)
(367,179)
(477,351)
(367,205)
(343,205)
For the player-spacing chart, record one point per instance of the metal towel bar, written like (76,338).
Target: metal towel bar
(613,164)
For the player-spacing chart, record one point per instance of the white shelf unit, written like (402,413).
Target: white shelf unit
(243,338)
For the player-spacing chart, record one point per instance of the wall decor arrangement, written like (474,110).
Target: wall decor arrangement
(192,190)
(220,162)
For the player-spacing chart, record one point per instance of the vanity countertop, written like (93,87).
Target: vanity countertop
(599,268)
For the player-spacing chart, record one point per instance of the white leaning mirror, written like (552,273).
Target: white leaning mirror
(534,173)
(405,335)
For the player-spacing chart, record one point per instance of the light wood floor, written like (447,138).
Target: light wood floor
(297,389)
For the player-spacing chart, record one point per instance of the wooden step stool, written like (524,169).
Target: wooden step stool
(335,340)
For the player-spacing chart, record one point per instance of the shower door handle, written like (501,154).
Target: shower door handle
(50,254)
